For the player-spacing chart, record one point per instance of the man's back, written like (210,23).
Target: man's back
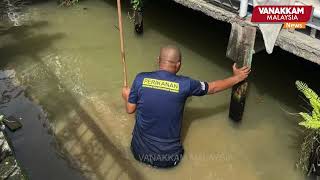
(160,97)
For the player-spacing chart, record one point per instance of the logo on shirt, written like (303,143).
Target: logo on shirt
(203,86)
(161,85)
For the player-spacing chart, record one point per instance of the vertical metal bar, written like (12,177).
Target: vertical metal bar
(316,13)
(313,33)
(243,8)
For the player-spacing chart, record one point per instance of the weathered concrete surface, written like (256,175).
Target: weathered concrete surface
(297,43)
(300,45)
(9,168)
(213,11)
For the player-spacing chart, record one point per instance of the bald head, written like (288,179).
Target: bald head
(170,59)
(170,54)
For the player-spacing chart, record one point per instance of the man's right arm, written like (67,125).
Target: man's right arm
(130,96)
(130,107)
(220,85)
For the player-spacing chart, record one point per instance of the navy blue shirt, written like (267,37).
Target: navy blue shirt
(160,97)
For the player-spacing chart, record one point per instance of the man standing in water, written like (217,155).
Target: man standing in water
(158,98)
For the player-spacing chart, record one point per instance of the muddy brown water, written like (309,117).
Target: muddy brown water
(68,61)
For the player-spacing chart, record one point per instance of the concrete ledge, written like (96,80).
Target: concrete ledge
(296,43)
(216,12)
(300,44)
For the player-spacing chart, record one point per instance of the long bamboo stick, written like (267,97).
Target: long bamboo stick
(123,58)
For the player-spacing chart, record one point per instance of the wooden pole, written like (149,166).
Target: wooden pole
(123,58)
(240,49)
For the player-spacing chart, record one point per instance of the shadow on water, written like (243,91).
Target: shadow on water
(25,42)
(95,150)
(24,30)
(32,144)
(97,147)
(196,31)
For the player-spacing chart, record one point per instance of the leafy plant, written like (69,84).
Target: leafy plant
(137,5)
(311,121)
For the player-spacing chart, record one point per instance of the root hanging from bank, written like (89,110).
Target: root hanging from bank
(287,112)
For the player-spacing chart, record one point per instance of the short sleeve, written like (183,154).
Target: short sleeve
(133,96)
(198,88)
